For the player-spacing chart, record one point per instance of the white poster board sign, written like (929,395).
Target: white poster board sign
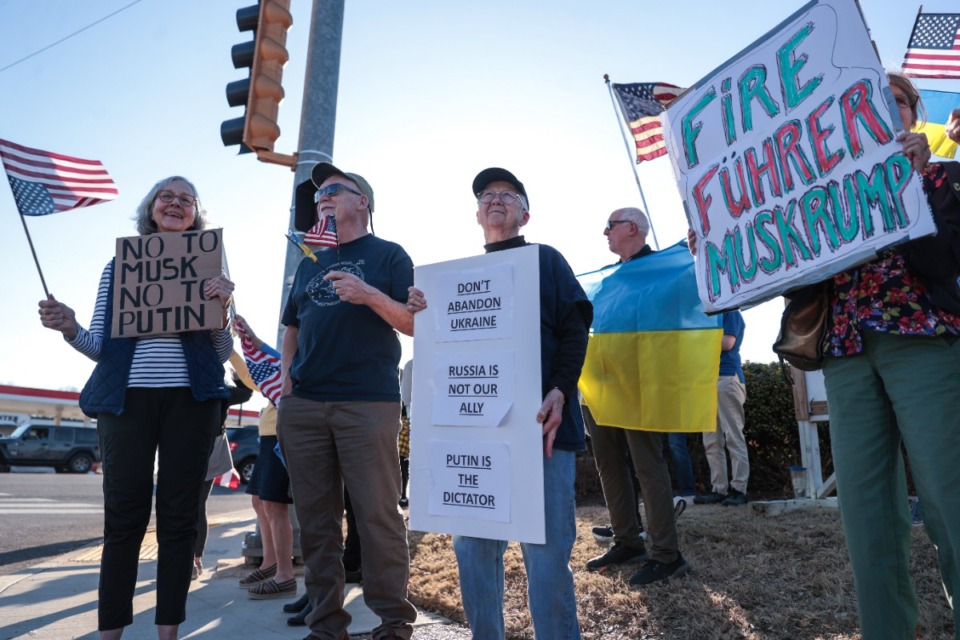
(787,160)
(476,450)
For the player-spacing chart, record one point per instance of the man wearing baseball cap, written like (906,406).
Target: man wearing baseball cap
(340,410)
(566,314)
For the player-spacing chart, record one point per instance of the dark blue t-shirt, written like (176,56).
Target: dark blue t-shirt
(345,351)
(733,325)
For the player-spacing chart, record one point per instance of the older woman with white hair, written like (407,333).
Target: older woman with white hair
(155,394)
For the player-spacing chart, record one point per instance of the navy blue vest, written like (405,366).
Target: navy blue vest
(107,387)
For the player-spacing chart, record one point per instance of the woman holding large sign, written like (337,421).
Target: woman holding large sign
(160,392)
(892,373)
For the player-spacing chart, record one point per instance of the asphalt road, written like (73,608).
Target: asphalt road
(45,514)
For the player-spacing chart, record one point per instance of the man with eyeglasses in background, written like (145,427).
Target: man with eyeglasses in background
(339,414)
(566,315)
(626,233)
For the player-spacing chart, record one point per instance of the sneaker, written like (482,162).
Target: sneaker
(656,571)
(710,498)
(404,502)
(735,498)
(604,534)
(916,511)
(617,554)
(680,505)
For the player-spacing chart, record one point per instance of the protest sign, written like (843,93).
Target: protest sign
(787,160)
(476,449)
(158,283)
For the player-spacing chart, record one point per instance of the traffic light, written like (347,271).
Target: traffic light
(262,92)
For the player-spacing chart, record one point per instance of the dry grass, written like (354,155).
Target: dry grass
(753,577)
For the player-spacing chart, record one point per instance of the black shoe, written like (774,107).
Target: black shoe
(735,498)
(300,620)
(655,571)
(710,498)
(297,607)
(404,502)
(604,534)
(617,554)
(355,577)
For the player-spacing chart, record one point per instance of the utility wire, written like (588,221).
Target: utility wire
(50,46)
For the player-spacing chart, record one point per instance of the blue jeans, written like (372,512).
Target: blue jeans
(553,605)
(686,486)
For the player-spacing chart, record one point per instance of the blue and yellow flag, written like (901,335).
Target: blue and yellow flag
(939,104)
(654,355)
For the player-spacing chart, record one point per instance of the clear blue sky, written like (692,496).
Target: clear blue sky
(430,93)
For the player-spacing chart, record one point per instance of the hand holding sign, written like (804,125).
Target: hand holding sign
(916,148)
(550,416)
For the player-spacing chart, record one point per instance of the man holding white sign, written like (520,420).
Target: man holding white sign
(566,315)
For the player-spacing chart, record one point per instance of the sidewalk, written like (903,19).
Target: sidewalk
(57,600)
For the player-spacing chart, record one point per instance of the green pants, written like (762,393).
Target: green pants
(899,389)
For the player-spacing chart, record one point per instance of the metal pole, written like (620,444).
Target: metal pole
(318,117)
(631,152)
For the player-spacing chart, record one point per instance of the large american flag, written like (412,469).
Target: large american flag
(263,364)
(641,105)
(934,47)
(323,234)
(44,182)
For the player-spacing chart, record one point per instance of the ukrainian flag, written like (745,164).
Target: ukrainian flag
(939,104)
(654,356)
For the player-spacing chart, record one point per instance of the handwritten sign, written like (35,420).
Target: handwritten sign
(476,304)
(471,481)
(158,283)
(473,389)
(476,449)
(787,160)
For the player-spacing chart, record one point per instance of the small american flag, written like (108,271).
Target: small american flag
(934,47)
(641,105)
(323,234)
(228,480)
(263,364)
(44,182)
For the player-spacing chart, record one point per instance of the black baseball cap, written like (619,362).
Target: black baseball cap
(306,210)
(496,174)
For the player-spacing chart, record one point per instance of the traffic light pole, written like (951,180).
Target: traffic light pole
(318,114)
(318,117)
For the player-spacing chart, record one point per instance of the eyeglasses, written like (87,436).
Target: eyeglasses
(332,190)
(612,223)
(169,196)
(506,197)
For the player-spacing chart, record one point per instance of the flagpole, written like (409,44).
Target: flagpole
(33,251)
(631,152)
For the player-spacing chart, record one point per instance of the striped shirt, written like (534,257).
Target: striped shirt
(158,361)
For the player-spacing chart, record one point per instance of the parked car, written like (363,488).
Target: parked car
(244,447)
(71,446)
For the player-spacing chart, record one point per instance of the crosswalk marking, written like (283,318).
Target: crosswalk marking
(45,506)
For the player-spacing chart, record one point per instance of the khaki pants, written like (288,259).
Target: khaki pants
(328,445)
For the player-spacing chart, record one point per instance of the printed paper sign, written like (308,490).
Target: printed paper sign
(787,160)
(471,480)
(476,448)
(476,304)
(158,283)
(473,389)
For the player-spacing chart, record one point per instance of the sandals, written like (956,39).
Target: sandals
(258,576)
(273,589)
